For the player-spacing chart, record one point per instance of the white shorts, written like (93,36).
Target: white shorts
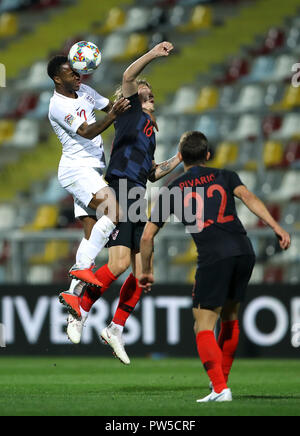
(82,183)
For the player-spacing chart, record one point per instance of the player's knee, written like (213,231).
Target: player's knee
(118,268)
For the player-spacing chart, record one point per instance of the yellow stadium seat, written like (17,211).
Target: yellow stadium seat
(7,129)
(201,18)
(208,99)
(273,153)
(226,154)
(191,275)
(137,44)
(290,100)
(116,18)
(46,218)
(8,25)
(190,256)
(54,252)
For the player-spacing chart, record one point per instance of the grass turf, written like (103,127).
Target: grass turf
(168,387)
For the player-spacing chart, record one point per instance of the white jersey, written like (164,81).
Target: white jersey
(66,115)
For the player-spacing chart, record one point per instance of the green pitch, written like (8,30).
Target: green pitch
(97,386)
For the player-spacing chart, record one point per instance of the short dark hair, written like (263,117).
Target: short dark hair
(55,65)
(194,148)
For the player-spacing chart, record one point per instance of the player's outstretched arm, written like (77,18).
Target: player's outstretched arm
(146,279)
(256,206)
(91,131)
(162,169)
(129,85)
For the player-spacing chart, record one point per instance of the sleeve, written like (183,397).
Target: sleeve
(67,118)
(234,180)
(163,208)
(100,101)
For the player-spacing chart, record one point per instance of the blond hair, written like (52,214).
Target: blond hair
(140,82)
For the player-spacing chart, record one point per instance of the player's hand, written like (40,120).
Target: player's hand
(284,238)
(162,49)
(146,281)
(120,106)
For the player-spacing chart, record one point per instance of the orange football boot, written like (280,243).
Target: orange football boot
(72,303)
(85,275)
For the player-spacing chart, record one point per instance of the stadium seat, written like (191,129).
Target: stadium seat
(273,274)
(283,68)
(261,70)
(136,45)
(207,99)
(188,257)
(226,154)
(290,128)
(45,4)
(8,25)
(273,154)
(291,153)
(46,218)
(257,275)
(39,275)
(291,214)
(208,125)
(293,39)
(289,187)
(167,129)
(38,78)
(8,217)
(290,100)
(54,251)
(238,68)
(292,274)
(184,99)
(249,156)
(275,39)
(248,219)
(136,20)
(275,211)
(116,18)
(201,18)
(42,108)
(26,134)
(10,5)
(249,179)
(248,127)
(7,129)
(269,182)
(271,123)
(53,193)
(251,98)
(27,102)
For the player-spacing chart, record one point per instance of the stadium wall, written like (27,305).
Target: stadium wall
(32,322)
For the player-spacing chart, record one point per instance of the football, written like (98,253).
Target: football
(84,57)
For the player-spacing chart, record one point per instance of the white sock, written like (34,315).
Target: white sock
(84,314)
(98,239)
(118,327)
(76,287)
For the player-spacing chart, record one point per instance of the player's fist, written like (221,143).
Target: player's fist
(146,281)
(284,238)
(162,49)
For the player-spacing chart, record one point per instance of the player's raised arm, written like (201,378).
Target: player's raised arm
(256,206)
(91,131)
(164,168)
(130,86)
